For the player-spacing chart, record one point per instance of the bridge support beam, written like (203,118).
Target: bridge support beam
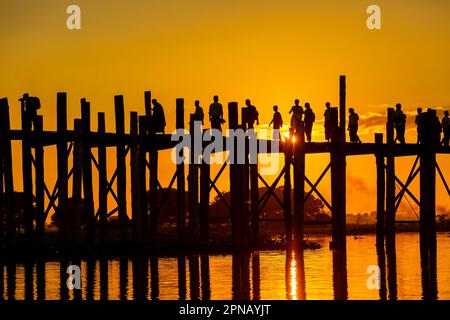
(390,181)
(299,186)
(381,193)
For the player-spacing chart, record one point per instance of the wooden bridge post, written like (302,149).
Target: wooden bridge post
(135,190)
(39,183)
(181,183)
(428,182)
(390,180)
(194,232)
(235,182)
(62,161)
(121,166)
(254,204)
(287,147)
(381,191)
(27,175)
(87,171)
(205,176)
(8,173)
(103,180)
(244,172)
(142,161)
(148,104)
(153,187)
(73,218)
(299,185)
(338,176)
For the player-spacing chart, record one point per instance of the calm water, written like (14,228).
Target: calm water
(265,275)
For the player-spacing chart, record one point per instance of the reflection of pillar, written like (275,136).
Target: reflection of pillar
(91,264)
(206,287)
(103,279)
(77,293)
(295,274)
(2,277)
(140,278)
(245,276)
(194,278)
(392,271)
(154,278)
(63,290)
(123,281)
(256,276)
(11,280)
(382,265)
(182,278)
(29,281)
(340,275)
(241,277)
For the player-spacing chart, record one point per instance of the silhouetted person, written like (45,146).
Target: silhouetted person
(399,123)
(419,124)
(353,120)
(446,129)
(30,106)
(198,114)
(310,117)
(277,122)
(251,115)
(216,114)
(297,114)
(327,121)
(158,117)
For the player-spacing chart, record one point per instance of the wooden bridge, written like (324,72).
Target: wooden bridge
(141,147)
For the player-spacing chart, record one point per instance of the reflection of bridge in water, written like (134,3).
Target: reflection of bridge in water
(245,205)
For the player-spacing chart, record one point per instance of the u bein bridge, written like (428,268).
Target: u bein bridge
(139,148)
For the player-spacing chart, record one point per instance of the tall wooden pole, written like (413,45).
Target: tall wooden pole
(205,176)
(142,161)
(181,183)
(62,161)
(194,223)
(39,183)
(87,171)
(287,146)
(299,185)
(381,191)
(102,177)
(390,180)
(135,190)
(72,219)
(121,166)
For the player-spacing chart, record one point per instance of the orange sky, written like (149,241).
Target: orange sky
(269,51)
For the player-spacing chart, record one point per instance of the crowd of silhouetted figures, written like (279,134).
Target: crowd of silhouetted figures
(301,119)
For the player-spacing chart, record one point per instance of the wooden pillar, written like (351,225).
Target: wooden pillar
(287,190)
(142,162)
(72,218)
(5,144)
(390,180)
(181,183)
(87,171)
(62,161)
(27,174)
(194,223)
(244,172)
(121,166)
(135,190)
(153,189)
(235,184)
(39,183)
(428,182)
(381,191)
(338,177)
(205,176)
(254,204)
(299,185)
(148,104)
(102,179)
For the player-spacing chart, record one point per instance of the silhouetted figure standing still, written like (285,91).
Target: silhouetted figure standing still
(353,120)
(30,106)
(419,125)
(297,114)
(277,122)
(158,117)
(310,118)
(198,114)
(252,115)
(216,114)
(446,129)
(327,121)
(399,123)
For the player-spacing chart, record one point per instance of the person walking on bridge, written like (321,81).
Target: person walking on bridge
(310,118)
(353,120)
(30,106)
(216,114)
(198,114)
(399,124)
(419,121)
(327,121)
(446,129)
(251,115)
(297,114)
(158,117)
(277,122)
